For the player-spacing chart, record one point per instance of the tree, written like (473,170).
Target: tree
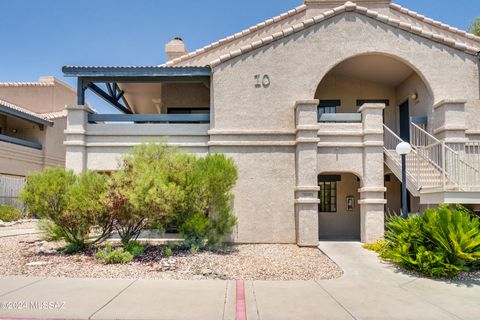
(475,27)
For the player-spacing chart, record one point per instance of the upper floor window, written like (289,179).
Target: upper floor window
(327,106)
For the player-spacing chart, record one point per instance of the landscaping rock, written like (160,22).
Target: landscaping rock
(36,264)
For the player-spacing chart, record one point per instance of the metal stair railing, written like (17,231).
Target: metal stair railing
(422,171)
(458,170)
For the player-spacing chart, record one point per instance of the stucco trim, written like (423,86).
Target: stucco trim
(448,101)
(252,143)
(347,7)
(372,189)
(340,133)
(307,201)
(372,201)
(380,106)
(251,132)
(472,131)
(307,188)
(341,145)
(449,128)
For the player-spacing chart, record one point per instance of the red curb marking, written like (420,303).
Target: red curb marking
(241,312)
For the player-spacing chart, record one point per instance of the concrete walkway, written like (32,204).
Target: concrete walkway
(368,290)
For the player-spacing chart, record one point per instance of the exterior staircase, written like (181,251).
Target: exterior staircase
(435,171)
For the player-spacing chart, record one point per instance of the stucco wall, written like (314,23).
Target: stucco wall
(420,107)
(349,90)
(54,137)
(48,95)
(19,160)
(264,196)
(297,64)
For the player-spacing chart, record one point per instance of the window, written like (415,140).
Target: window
(327,106)
(328,193)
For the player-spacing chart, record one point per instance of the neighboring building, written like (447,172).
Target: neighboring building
(311,105)
(32,120)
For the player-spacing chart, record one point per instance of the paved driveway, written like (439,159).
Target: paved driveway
(368,290)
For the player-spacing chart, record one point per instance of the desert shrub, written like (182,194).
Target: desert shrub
(9,213)
(49,230)
(168,252)
(440,243)
(72,203)
(135,248)
(108,255)
(207,217)
(146,190)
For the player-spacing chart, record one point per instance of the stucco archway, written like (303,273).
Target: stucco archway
(377,77)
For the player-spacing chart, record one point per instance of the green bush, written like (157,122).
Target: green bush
(440,243)
(146,190)
(377,246)
(9,213)
(135,248)
(49,230)
(72,203)
(156,186)
(168,252)
(108,255)
(207,218)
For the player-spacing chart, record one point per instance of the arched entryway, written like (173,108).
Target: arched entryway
(377,77)
(338,210)
(392,87)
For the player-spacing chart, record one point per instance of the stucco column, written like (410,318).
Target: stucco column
(306,191)
(449,123)
(75,140)
(372,193)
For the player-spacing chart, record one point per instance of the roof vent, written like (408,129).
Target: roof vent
(175,48)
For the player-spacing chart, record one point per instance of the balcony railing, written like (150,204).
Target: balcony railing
(340,117)
(20,142)
(150,118)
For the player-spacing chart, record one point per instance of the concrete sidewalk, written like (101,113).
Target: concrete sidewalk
(368,290)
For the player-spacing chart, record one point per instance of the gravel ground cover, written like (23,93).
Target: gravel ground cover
(29,255)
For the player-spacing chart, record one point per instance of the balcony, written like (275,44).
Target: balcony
(340,130)
(98,141)
(20,142)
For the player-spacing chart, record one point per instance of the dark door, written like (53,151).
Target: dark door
(405,122)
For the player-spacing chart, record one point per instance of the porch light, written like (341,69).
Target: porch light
(404,148)
(414,96)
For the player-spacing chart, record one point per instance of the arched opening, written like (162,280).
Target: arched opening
(376,77)
(338,210)
(366,78)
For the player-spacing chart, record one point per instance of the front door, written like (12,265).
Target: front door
(339,212)
(405,122)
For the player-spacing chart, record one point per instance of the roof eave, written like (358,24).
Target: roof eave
(135,72)
(24,116)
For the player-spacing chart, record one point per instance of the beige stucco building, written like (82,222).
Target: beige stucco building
(310,105)
(32,121)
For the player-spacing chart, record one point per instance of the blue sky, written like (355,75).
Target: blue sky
(39,37)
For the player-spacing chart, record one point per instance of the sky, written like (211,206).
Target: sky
(40,36)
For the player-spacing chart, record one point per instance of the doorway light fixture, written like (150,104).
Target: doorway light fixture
(414,96)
